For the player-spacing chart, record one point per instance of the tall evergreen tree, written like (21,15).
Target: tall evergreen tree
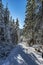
(39,21)
(17,23)
(29,19)
(17,30)
(42,22)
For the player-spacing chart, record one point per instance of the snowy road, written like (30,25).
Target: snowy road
(22,55)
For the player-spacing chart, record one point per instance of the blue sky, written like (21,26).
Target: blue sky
(17,9)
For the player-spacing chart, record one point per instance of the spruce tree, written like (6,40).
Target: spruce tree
(17,23)
(29,19)
(17,30)
(42,22)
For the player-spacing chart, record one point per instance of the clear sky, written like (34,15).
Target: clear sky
(17,9)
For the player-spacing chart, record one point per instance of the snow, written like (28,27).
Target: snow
(19,59)
(23,55)
(7,63)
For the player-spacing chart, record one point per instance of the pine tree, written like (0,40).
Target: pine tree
(29,19)
(17,30)
(42,22)
(39,21)
(17,23)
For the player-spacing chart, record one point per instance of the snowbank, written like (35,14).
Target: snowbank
(22,55)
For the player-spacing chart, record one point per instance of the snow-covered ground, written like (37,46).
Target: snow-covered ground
(23,55)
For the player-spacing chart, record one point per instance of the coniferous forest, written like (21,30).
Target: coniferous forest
(22,46)
(33,28)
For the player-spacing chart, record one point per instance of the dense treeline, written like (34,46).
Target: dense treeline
(33,26)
